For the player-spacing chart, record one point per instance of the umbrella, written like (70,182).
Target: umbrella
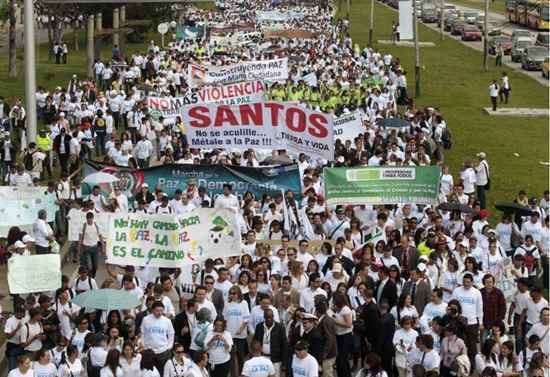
(515,208)
(394,123)
(106,299)
(277,160)
(99,178)
(453,206)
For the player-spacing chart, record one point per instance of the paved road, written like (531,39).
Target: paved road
(497,20)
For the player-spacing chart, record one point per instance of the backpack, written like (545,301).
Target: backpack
(201,336)
(28,162)
(446,138)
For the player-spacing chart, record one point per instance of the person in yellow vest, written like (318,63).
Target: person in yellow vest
(44,144)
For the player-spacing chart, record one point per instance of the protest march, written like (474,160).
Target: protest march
(261,197)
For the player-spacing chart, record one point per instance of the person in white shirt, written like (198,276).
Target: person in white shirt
(541,329)
(176,366)
(303,364)
(258,311)
(66,312)
(307,296)
(531,313)
(23,369)
(158,334)
(147,365)
(87,247)
(471,302)
(12,332)
(404,341)
(198,367)
(32,333)
(20,178)
(143,151)
(429,358)
(112,365)
(482,178)
(43,233)
(71,365)
(237,315)
(218,343)
(43,367)
(227,200)
(258,365)
(84,282)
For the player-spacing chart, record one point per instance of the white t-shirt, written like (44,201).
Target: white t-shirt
(131,368)
(217,353)
(42,230)
(306,367)
(173,369)
(533,310)
(78,339)
(71,370)
(10,326)
(107,372)
(542,331)
(235,314)
(64,320)
(339,316)
(259,366)
(158,333)
(149,373)
(16,373)
(48,370)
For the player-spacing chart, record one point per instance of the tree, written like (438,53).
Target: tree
(12,48)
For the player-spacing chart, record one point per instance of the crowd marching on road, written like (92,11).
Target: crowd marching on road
(316,289)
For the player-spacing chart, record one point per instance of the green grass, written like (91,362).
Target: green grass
(49,74)
(497,6)
(454,81)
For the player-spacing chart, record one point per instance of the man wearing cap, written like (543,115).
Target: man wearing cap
(471,301)
(336,276)
(312,336)
(227,199)
(145,195)
(303,363)
(482,178)
(84,282)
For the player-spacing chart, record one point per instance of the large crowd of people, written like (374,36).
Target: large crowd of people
(374,291)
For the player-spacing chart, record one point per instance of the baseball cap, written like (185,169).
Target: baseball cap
(481,155)
(421,267)
(27,238)
(19,245)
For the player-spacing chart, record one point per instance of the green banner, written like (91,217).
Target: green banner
(382,185)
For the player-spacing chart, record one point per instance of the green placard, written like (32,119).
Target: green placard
(382,185)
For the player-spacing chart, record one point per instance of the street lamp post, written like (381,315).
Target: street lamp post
(30,72)
(371,28)
(416,54)
(485,37)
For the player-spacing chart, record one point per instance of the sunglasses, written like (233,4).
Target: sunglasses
(180,352)
(209,283)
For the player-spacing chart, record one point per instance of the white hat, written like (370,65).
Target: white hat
(62,114)
(481,155)
(337,267)
(421,267)
(309,316)
(19,245)
(27,238)
(144,185)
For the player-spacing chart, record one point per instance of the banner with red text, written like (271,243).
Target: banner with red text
(260,125)
(230,94)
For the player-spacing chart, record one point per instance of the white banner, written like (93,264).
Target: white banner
(348,126)
(260,125)
(172,241)
(406,18)
(279,16)
(265,70)
(310,79)
(34,273)
(230,94)
(20,206)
